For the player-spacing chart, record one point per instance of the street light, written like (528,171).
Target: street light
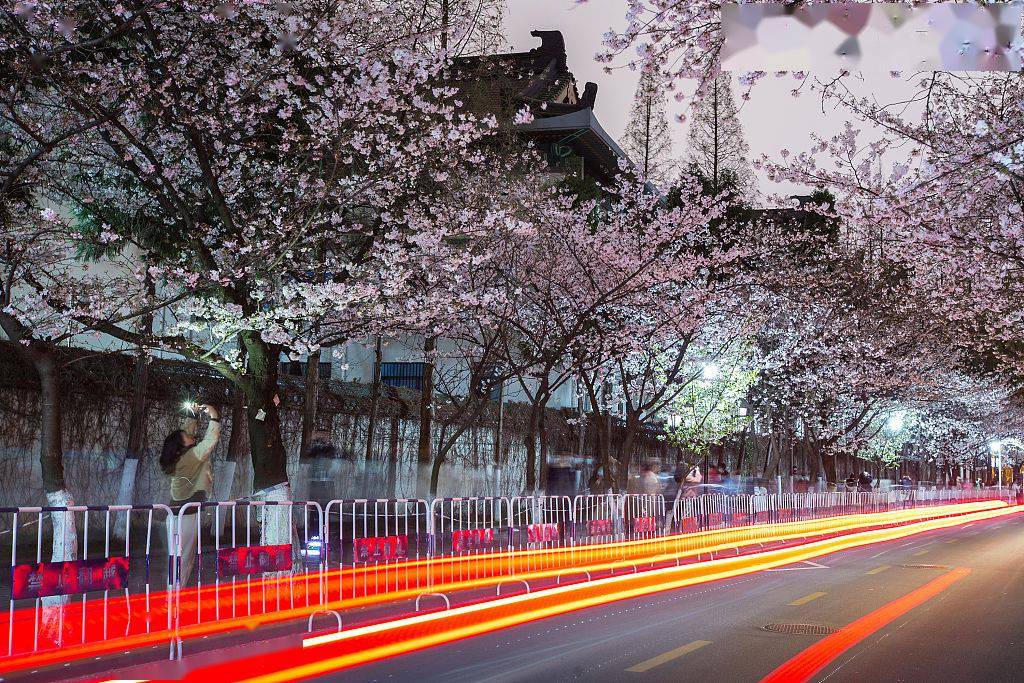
(711,371)
(997,448)
(997,451)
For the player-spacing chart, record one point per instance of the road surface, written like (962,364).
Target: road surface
(970,630)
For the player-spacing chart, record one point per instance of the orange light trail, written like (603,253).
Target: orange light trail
(816,657)
(365,644)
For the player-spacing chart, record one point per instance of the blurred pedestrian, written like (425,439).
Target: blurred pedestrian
(674,487)
(692,481)
(191,468)
(650,484)
(864,482)
(561,479)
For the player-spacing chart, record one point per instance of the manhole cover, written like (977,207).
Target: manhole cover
(801,629)
(925,566)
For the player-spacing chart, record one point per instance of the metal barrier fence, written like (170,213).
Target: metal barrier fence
(121,551)
(260,556)
(255,557)
(378,534)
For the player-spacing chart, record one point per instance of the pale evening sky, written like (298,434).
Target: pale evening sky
(772,119)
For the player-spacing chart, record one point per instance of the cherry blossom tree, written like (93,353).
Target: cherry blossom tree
(279,162)
(940,190)
(636,277)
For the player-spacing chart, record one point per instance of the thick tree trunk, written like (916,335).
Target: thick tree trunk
(136,430)
(530,441)
(424,450)
(828,461)
(51,447)
(628,441)
(51,461)
(269,459)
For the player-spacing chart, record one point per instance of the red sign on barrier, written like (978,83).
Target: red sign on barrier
(690,524)
(254,559)
(39,580)
(542,533)
(600,527)
(644,525)
(380,548)
(472,539)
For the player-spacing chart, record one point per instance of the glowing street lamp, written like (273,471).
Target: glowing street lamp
(711,371)
(997,457)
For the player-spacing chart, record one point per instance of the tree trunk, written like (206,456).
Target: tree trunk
(136,441)
(828,461)
(309,402)
(51,462)
(435,475)
(136,430)
(393,459)
(628,441)
(269,460)
(51,447)
(743,450)
(530,441)
(424,459)
(542,438)
(371,420)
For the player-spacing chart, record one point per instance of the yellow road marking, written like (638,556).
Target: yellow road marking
(806,599)
(668,656)
(879,570)
(922,552)
(953,540)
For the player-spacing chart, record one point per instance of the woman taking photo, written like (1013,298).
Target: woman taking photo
(191,468)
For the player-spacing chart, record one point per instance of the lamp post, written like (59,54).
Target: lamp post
(997,457)
(997,448)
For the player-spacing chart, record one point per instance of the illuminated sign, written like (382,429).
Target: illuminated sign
(380,548)
(39,580)
(254,559)
(542,533)
(472,539)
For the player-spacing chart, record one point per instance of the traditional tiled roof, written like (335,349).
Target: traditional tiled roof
(502,84)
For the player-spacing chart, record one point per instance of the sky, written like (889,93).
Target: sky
(772,119)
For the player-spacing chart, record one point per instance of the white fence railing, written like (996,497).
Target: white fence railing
(277,555)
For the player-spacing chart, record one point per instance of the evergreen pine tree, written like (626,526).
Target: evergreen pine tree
(648,139)
(718,149)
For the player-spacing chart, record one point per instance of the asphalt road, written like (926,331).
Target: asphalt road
(972,630)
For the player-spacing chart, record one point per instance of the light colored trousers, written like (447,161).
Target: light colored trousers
(189,534)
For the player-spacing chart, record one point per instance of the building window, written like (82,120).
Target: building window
(297,368)
(402,375)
